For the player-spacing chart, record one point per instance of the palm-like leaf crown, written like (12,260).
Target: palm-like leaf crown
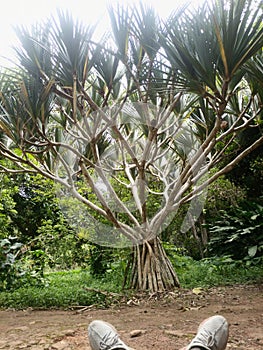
(209,46)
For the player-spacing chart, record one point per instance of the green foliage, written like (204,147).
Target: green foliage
(65,289)
(8,268)
(99,259)
(19,265)
(14,271)
(238,232)
(213,271)
(60,244)
(212,43)
(29,211)
(216,271)
(7,206)
(35,203)
(221,195)
(249,173)
(78,287)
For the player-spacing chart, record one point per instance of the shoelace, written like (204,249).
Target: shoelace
(205,337)
(108,341)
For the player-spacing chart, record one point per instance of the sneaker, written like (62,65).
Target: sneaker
(103,336)
(212,334)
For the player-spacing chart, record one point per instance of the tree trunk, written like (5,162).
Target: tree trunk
(152,270)
(203,229)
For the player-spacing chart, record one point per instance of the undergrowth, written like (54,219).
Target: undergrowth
(77,288)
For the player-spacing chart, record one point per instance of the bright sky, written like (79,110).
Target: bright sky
(27,12)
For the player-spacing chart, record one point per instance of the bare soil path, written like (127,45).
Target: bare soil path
(164,323)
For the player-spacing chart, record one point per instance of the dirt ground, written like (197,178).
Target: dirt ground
(163,322)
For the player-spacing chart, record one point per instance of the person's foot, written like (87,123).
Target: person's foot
(212,334)
(103,336)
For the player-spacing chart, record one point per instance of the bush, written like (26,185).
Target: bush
(221,195)
(238,233)
(61,245)
(15,267)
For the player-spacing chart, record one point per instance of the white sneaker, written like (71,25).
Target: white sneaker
(212,334)
(103,336)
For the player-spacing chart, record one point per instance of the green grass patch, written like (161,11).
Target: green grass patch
(62,290)
(216,272)
(67,289)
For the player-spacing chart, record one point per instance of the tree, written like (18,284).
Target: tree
(152,108)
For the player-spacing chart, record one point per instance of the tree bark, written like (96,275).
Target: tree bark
(152,270)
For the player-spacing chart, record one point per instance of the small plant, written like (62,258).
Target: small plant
(9,250)
(239,233)
(15,267)
(99,259)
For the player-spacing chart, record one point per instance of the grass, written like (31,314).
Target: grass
(66,289)
(217,272)
(62,289)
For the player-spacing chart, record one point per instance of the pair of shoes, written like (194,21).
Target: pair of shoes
(212,334)
(103,336)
